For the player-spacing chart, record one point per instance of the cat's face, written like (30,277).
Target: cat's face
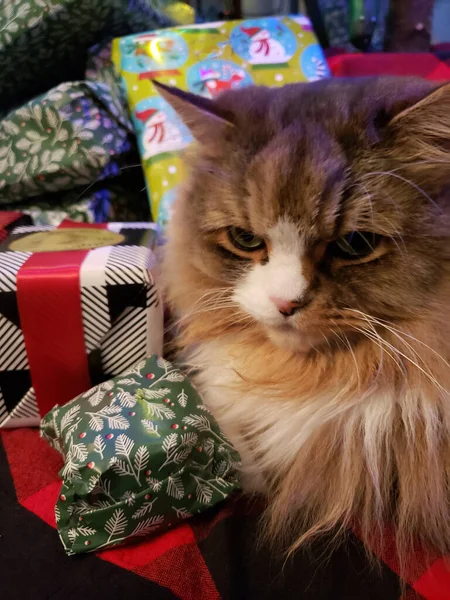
(314,209)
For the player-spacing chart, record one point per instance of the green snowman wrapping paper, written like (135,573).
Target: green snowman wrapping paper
(205,59)
(141,452)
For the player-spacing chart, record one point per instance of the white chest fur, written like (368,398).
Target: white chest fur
(218,384)
(266,432)
(269,432)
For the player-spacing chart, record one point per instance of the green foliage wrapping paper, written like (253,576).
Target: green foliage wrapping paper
(64,133)
(60,140)
(141,452)
(45,42)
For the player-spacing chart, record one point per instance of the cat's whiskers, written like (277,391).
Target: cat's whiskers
(380,342)
(428,374)
(347,343)
(421,162)
(391,227)
(405,180)
(372,334)
(326,339)
(227,319)
(202,310)
(368,196)
(399,333)
(210,304)
(102,177)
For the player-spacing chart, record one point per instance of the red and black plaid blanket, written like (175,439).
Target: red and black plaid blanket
(214,555)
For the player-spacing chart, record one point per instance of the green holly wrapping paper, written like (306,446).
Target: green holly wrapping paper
(64,130)
(141,452)
(44,42)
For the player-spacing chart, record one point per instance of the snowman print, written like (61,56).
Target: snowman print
(313,63)
(263,42)
(210,78)
(263,48)
(214,85)
(153,51)
(161,130)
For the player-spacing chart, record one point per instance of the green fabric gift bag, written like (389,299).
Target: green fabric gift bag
(141,452)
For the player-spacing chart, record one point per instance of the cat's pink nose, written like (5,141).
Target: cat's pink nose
(285,307)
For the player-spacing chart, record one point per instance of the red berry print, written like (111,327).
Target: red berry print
(87,543)
(91,464)
(189,496)
(109,436)
(184,427)
(150,376)
(199,449)
(132,414)
(172,404)
(147,496)
(174,426)
(49,130)
(63,498)
(110,394)
(80,518)
(166,400)
(148,472)
(82,435)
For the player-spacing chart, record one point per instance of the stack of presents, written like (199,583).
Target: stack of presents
(89,172)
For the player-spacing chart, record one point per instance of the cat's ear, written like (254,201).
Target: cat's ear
(429,112)
(201,115)
(394,103)
(419,137)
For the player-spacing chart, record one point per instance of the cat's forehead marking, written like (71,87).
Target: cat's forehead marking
(285,238)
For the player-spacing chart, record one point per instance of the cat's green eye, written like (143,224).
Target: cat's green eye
(354,245)
(245,240)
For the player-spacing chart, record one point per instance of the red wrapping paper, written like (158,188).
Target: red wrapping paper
(9,219)
(428,66)
(49,300)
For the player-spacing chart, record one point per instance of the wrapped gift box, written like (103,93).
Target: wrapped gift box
(206,59)
(78,305)
(141,453)
(11,219)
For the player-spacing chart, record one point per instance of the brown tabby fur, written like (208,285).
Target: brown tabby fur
(372,387)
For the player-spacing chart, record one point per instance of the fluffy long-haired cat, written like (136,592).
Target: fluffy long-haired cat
(308,265)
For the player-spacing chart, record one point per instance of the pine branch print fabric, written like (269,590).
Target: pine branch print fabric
(141,453)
